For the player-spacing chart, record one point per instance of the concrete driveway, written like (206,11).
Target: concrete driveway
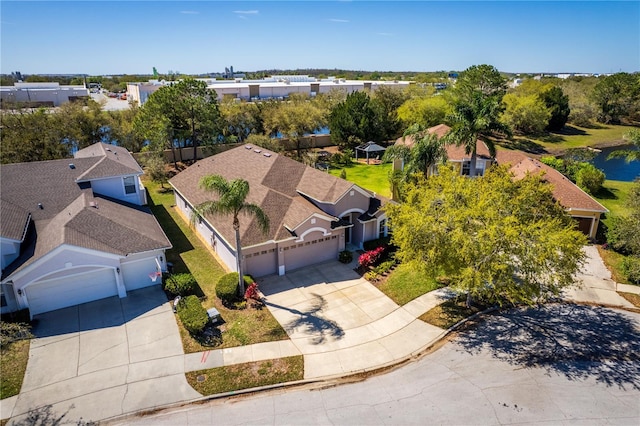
(105,358)
(341,323)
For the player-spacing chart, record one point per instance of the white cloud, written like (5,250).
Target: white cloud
(246,12)
(385,34)
(338,20)
(189,12)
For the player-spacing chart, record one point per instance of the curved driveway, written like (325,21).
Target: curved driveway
(559,364)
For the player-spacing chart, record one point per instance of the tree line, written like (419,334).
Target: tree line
(187,114)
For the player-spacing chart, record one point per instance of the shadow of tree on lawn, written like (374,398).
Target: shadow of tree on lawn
(576,341)
(317,326)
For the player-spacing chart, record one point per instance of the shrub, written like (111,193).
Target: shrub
(589,178)
(192,314)
(373,244)
(343,174)
(384,267)
(345,256)
(180,284)
(227,288)
(371,257)
(13,331)
(370,276)
(631,268)
(252,291)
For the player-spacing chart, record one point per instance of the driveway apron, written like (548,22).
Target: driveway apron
(105,358)
(340,322)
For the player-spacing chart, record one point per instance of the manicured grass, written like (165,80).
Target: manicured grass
(13,359)
(449,313)
(405,284)
(613,261)
(374,177)
(632,298)
(189,254)
(571,137)
(248,375)
(613,196)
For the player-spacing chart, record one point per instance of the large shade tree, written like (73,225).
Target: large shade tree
(232,201)
(497,239)
(352,122)
(184,113)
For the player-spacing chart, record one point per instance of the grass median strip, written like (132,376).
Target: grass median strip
(449,313)
(248,375)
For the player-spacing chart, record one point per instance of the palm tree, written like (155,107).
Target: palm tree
(426,151)
(232,197)
(632,135)
(473,119)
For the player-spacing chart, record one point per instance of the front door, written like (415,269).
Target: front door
(347,231)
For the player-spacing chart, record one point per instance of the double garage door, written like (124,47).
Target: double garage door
(58,293)
(311,251)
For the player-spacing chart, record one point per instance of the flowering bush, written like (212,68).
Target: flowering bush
(252,291)
(371,257)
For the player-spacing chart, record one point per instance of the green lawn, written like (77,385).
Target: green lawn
(405,284)
(248,375)
(374,177)
(189,254)
(14,359)
(569,137)
(613,196)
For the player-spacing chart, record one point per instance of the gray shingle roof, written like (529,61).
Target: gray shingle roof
(68,214)
(112,161)
(276,184)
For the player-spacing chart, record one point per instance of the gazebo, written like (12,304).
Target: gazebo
(369,148)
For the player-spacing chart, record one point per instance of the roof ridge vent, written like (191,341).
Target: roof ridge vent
(267,154)
(257,150)
(248,147)
(72,166)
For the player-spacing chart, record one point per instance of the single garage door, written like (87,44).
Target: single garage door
(138,274)
(49,295)
(262,263)
(313,250)
(584,224)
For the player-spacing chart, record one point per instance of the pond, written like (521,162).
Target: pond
(617,168)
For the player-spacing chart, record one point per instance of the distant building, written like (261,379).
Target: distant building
(274,87)
(41,94)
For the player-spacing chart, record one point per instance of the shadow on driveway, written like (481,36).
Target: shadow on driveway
(318,328)
(579,342)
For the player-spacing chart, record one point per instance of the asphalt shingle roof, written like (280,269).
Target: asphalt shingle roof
(454,152)
(568,194)
(277,184)
(70,213)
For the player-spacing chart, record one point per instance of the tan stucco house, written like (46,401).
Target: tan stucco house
(313,215)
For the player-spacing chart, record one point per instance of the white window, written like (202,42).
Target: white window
(129,184)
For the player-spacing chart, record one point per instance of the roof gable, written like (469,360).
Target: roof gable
(285,189)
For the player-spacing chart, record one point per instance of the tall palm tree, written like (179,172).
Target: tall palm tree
(231,201)
(426,151)
(473,119)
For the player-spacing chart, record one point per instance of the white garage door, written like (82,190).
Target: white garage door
(313,250)
(137,274)
(59,293)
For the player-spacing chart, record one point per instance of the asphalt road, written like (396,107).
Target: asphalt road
(560,364)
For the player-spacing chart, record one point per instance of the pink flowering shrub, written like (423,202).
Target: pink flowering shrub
(371,257)
(252,291)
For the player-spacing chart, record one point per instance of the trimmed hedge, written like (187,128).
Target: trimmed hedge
(227,288)
(374,244)
(180,284)
(192,314)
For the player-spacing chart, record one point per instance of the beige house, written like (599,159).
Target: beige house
(580,205)
(313,215)
(456,155)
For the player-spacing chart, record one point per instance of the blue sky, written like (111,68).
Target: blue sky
(118,37)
